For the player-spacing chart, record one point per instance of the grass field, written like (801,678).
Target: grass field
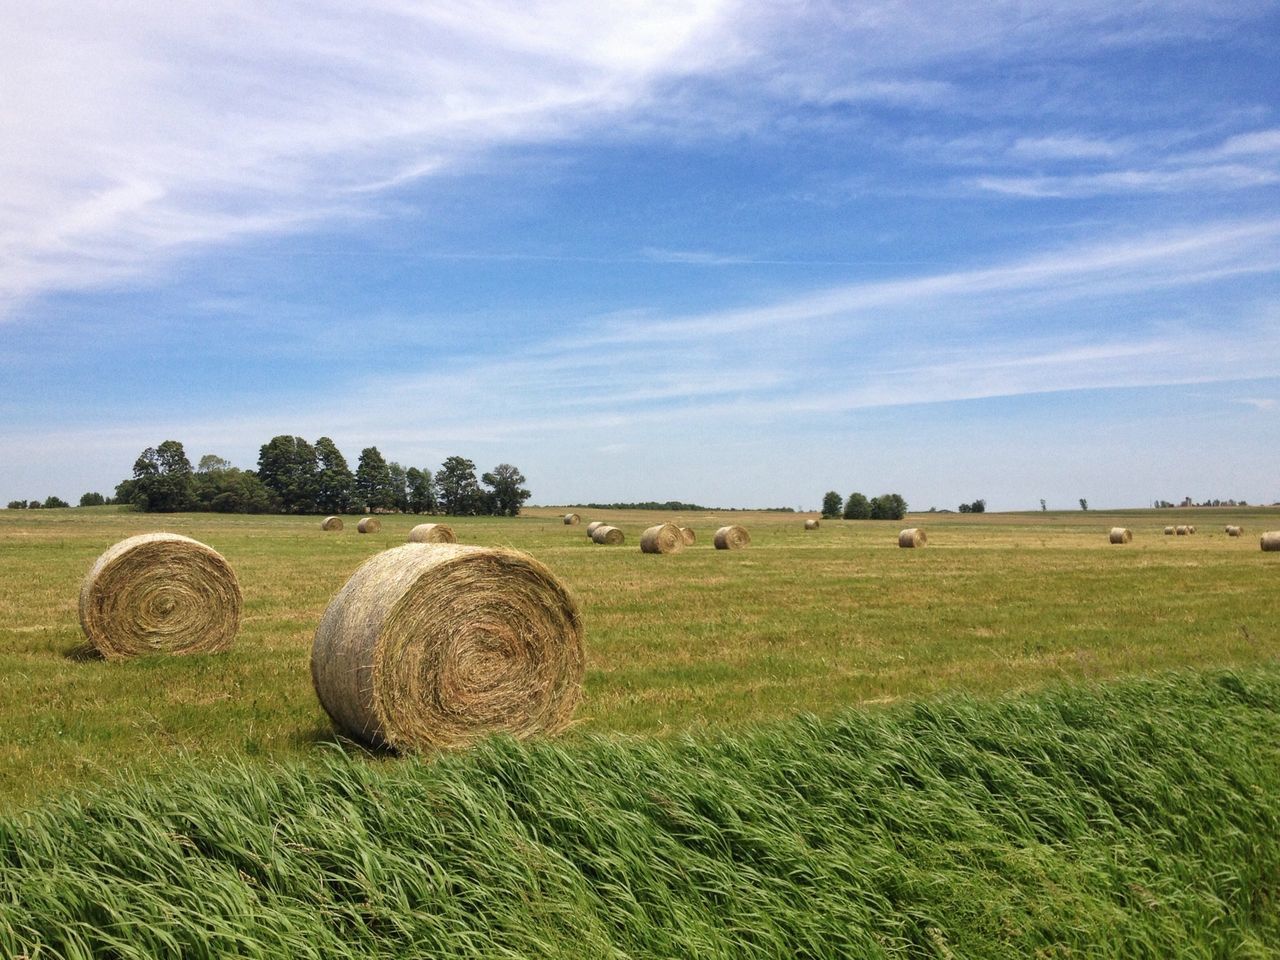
(703,640)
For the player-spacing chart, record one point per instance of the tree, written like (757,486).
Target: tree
(1043,506)
(92,500)
(857,507)
(335,484)
(52,502)
(978,506)
(422,490)
(832,505)
(211,461)
(289,466)
(1084,504)
(232,490)
(456,486)
(965,508)
(162,479)
(888,506)
(505,491)
(399,486)
(17,505)
(34,504)
(373,480)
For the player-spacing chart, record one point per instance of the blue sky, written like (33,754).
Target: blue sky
(731,253)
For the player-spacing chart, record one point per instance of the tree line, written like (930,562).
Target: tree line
(295,476)
(887,506)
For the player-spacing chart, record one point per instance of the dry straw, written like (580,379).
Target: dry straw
(610,536)
(572,519)
(912,537)
(1180,531)
(437,645)
(160,593)
(688,536)
(662,538)
(1168,531)
(811,524)
(369,525)
(1234,531)
(732,537)
(1270,541)
(432,533)
(1190,529)
(331,523)
(1120,535)
(593,526)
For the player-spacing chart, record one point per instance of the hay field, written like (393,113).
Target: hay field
(703,639)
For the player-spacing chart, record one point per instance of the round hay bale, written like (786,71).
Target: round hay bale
(1270,541)
(1190,529)
(160,593)
(438,645)
(331,523)
(1120,535)
(609,536)
(811,524)
(572,519)
(369,525)
(912,537)
(593,526)
(1180,531)
(432,533)
(662,538)
(688,536)
(1168,531)
(1234,531)
(732,537)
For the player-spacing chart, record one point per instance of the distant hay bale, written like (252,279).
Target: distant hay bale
(369,525)
(160,593)
(431,646)
(662,538)
(1168,531)
(912,537)
(331,523)
(1270,541)
(1180,531)
(607,535)
(593,526)
(1190,529)
(1120,535)
(732,537)
(432,533)
(572,519)
(811,524)
(1234,531)
(688,536)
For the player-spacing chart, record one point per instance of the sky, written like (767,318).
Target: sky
(730,253)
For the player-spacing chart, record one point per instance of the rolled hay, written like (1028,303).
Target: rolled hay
(369,525)
(593,526)
(1234,531)
(662,538)
(688,536)
(811,524)
(732,537)
(430,646)
(1190,528)
(432,533)
(160,593)
(331,523)
(1168,531)
(610,536)
(1120,535)
(1270,541)
(1180,531)
(912,537)
(572,519)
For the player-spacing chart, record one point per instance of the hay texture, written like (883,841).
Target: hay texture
(1168,531)
(572,519)
(609,536)
(912,537)
(1120,535)
(1270,541)
(436,645)
(811,524)
(1190,528)
(688,536)
(160,593)
(432,533)
(1180,531)
(1234,531)
(732,537)
(331,524)
(593,526)
(369,525)
(662,538)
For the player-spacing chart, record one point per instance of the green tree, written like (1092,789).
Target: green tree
(888,506)
(17,505)
(456,487)
(373,480)
(162,479)
(1084,504)
(398,488)
(92,500)
(832,505)
(289,467)
(857,507)
(211,461)
(232,490)
(1044,507)
(52,502)
(335,484)
(422,490)
(34,505)
(506,494)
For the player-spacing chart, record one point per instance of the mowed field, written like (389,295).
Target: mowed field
(704,640)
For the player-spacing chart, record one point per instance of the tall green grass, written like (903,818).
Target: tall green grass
(1135,820)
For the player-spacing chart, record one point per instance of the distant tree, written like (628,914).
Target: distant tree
(52,503)
(888,506)
(162,480)
(422,490)
(211,461)
(34,504)
(17,505)
(507,495)
(857,507)
(1043,506)
(1084,504)
(832,505)
(398,487)
(289,467)
(335,483)
(978,506)
(373,481)
(232,490)
(965,508)
(92,500)
(456,487)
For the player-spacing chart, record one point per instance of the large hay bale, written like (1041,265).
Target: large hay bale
(912,537)
(1120,535)
(432,533)
(1270,541)
(732,537)
(331,523)
(572,519)
(607,535)
(662,538)
(369,525)
(688,536)
(811,524)
(438,645)
(160,593)
(1234,531)
(1168,531)
(1180,531)
(593,526)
